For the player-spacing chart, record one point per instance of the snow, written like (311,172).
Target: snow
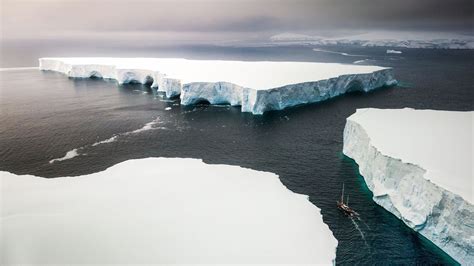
(393,52)
(418,164)
(253,85)
(160,211)
(438,141)
(406,39)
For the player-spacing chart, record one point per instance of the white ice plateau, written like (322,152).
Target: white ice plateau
(160,211)
(255,86)
(419,166)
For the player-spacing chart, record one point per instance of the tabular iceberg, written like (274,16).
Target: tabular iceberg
(418,164)
(256,86)
(160,211)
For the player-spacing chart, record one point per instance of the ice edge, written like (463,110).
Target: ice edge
(403,189)
(250,99)
(272,180)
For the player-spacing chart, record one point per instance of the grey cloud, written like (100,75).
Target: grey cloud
(31,18)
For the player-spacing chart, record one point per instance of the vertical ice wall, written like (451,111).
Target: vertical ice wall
(256,95)
(410,191)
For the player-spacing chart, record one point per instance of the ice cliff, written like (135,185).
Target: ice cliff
(418,164)
(160,211)
(255,86)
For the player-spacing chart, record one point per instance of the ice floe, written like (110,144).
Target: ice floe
(389,51)
(160,211)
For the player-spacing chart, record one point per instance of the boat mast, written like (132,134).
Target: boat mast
(347,201)
(342,195)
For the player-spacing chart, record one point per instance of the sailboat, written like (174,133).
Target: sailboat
(344,207)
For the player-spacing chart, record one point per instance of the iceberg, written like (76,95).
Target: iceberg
(389,51)
(160,211)
(418,164)
(255,86)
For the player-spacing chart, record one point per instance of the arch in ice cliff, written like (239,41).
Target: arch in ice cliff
(355,85)
(201,101)
(130,77)
(206,101)
(148,80)
(95,75)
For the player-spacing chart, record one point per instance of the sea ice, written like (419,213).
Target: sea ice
(69,155)
(160,211)
(418,164)
(255,86)
(360,61)
(79,151)
(109,140)
(393,52)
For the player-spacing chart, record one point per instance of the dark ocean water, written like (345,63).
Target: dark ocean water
(44,115)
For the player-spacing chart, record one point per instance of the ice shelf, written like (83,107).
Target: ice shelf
(255,86)
(160,211)
(419,166)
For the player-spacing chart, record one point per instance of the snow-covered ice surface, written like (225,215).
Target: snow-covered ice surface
(405,39)
(419,166)
(160,211)
(256,86)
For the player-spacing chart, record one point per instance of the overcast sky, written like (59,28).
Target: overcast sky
(190,20)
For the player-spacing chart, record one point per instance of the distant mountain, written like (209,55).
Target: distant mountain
(287,36)
(435,40)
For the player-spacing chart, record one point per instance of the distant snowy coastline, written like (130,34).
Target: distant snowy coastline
(418,164)
(432,40)
(255,86)
(161,211)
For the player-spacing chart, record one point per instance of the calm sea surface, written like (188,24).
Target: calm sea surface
(44,115)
